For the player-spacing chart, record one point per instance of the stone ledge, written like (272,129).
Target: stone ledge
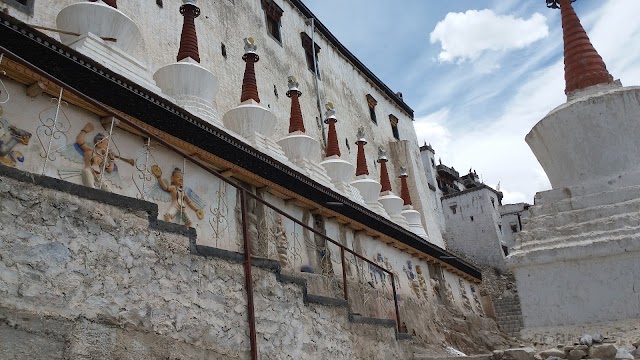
(359,319)
(100,196)
(323,300)
(403,336)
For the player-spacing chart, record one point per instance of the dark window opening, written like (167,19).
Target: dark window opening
(273,14)
(310,51)
(394,126)
(159,3)
(346,141)
(514,228)
(505,250)
(26,6)
(372,108)
(275,91)
(500,227)
(493,202)
(433,163)
(471,217)
(223,50)
(454,209)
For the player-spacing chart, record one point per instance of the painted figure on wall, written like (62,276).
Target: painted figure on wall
(10,136)
(178,195)
(377,272)
(411,276)
(100,170)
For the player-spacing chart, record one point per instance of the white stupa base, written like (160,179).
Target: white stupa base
(268,146)
(393,206)
(101,19)
(415,224)
(369,190)
(298,146)
(191,86)
(114,59)
(341,172)
(249,118)
(577,261)
(256,124)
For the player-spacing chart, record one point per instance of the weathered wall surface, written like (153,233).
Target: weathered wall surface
(80,278)
(474,228)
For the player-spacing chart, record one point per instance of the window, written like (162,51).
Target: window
(159,3)
(25,6)
(372,107)
(454,208)
(514,227)
(471,217)
(309,52)
(493,202)
(433,163)
(273,13)
(394,126)
(223,50)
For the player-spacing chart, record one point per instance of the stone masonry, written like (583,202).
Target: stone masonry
(509,314)
(87,274)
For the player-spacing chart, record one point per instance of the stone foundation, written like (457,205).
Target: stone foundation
(88,274)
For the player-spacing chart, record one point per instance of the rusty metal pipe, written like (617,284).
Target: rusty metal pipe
(395,301)
(344,275)
(247,275)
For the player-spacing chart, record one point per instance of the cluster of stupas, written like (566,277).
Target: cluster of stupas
(194,88)
(577,261)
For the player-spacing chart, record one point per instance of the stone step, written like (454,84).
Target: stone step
(621,195)
(585,215)
(546,239)
(606,224)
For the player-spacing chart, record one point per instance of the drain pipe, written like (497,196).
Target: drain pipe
(321,125)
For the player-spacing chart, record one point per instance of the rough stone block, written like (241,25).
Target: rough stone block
(520,353)
(605,351)
(553,353)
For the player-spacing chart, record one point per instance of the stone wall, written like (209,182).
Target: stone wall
(84,273)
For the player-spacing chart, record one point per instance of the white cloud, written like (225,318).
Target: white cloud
(465,36)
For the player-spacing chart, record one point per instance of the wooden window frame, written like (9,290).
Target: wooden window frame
(25,8)
(272,19)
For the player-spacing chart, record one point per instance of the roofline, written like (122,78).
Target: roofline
(358,64)
(477,188)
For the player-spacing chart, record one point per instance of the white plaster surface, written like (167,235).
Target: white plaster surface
(589,138)
(480,238)
(101,20)
(192,86)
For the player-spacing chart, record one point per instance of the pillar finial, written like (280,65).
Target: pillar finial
(361,165)
(189,37)
(332,137)
(404,191)
(583,66)
(249,84)
(296,122)
(384,173)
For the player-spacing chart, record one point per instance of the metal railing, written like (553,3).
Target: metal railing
(245,195)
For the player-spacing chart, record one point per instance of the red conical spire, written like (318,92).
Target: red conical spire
(332,136)
(384,174)
(249,85)
(361,164)
(404,191)
(296,122)
(189,37)
(583,66)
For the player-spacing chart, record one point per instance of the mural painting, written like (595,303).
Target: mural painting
(180,197)
(10,137)
(95,152)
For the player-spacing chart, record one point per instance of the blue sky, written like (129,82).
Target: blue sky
(481,73)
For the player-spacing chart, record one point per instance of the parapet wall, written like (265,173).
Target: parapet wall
(84,273)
